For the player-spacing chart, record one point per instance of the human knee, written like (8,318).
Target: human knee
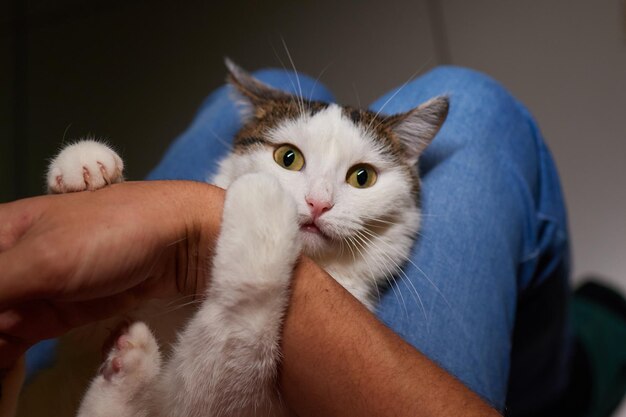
(471,83)
(485,116)
(476,94)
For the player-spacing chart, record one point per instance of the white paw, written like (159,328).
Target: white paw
(85,165)
(259,227)
(134,355)
(258,206)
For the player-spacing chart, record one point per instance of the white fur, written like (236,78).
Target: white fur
(111,392)
(331,144)
(85,165)
(225,360)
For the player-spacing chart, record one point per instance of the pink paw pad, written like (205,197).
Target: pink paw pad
(132,349)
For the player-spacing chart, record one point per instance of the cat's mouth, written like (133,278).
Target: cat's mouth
(311,228)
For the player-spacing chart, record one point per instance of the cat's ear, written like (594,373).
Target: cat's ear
(417,128)
(256,91)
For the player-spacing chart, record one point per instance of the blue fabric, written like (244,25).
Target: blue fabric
(494,229)
(39,357)
(485,292)
(494,232)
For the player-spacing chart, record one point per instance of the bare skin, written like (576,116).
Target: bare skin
(127,243)
(338,356)
(72,259)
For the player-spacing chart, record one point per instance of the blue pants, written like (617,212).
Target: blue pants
(491,261)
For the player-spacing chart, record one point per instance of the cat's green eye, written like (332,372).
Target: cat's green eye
(289,157)
(361,176)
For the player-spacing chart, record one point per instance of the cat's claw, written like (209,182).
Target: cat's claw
(134,354)
(85,165)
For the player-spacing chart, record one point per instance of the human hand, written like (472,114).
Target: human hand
(70,259)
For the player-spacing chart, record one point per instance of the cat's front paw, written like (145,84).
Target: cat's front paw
(85,165)
(259,228)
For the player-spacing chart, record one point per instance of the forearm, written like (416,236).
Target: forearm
(79,246)
(71,259)
(339,357)
(134,241)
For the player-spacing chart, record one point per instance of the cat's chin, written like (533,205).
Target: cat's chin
(314,241)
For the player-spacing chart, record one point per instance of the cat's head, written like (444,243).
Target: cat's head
(353,173)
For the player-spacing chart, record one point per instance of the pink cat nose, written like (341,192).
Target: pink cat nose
(318,207)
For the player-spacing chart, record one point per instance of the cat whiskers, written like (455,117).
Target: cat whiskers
(417,72)
(349,247)
(410,287)
(408,259)
(378,220)
(293,97)
(389,276)
(342,245)
(220,139)
(317,80)
(373,235)
(374,220)
(175,306)
(296,74)
(297,99)
(67,128)
(350,240)
(181,298)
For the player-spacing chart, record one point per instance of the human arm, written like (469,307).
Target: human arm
(338,356)
(71,259)
(135,241)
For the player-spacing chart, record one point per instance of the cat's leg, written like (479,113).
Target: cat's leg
(126,379)
(226,359)
(84,165)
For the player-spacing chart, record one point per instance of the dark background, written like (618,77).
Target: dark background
(134,71)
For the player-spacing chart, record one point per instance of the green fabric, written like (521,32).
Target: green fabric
(603,335)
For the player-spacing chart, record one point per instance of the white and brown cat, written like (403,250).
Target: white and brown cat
(337,183)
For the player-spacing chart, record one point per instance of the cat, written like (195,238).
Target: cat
(336,183)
